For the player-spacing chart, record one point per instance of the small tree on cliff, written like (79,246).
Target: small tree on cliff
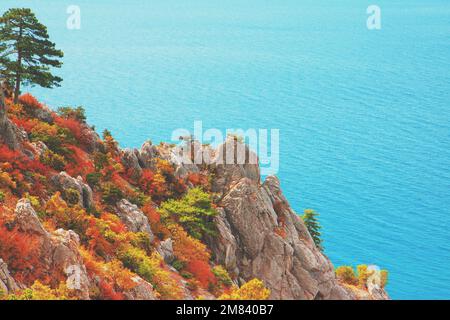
(26,53)
(311,222)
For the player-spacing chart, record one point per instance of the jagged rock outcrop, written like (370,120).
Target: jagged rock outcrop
(58,251)
(147,155)
(91,139)
(233,161)
(130,160)
(165,249)
(261,236)
(7,283)
(63,182)
(133,218)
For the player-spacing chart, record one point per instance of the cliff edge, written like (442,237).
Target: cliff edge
(89,220)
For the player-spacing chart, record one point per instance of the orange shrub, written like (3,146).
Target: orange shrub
(29,101)
(154,219)
(199,180)
(115,278)
(26,124)
(202,272)
(79,162)
(73,126)
(18,250)
(185,247)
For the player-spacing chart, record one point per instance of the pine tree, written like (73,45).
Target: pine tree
(311,222)
(26,53)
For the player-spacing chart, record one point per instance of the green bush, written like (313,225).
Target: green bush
(71,196)
(178,265)
(2,197)
(194,212)
(93,179)
(100,160)
(142,240)
(313,226)
(77,113)
(139,199)
(222,276)
(55,142)
(53,160)
(111,194)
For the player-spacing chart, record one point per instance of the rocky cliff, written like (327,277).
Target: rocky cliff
(101,221)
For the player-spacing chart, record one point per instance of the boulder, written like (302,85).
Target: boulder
(57,251)
(63,182)
(147,155)
(165,249)
(91,139)
(133,218)
(130,160)
(7,283)
(42,114)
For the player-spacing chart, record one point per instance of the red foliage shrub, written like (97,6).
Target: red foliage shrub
(80,163)
(146,180)
(25,124)
(198,180)
(28,174)
(29,101)
(154,219)
(73,125)
(97,243)
(19,161)
(202,272)
(108,292)
(18,250)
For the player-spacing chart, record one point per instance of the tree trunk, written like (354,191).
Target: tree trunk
(17,89)
(2,100)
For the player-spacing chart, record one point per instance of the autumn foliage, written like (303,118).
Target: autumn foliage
(116,259)
(18,250)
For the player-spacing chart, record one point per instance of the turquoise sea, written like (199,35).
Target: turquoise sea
(364,116)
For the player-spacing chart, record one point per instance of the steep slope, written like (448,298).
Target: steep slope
(81,218)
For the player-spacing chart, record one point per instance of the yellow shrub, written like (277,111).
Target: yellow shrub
(39,291)
(346,274)
(252,290)
(384,278)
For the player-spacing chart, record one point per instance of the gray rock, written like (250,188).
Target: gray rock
(233,161)
(9,133)
(7,283)
(165,249)
(39,147)
(58,251)
(43,114)
(63,181)
(130,160)
(249,246)
(142,291)
(91,139)
(133,218)
(147,155)
(27,220)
